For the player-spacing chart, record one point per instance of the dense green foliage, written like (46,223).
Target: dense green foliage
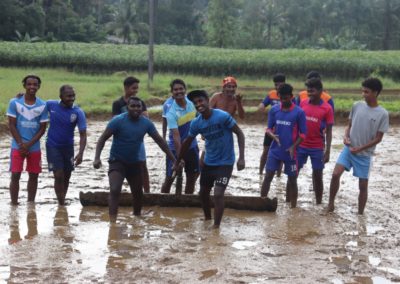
(202,60)
(248,24)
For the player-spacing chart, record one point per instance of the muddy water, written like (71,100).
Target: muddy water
(43,242)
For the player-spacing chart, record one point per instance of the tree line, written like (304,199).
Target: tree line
(255,24)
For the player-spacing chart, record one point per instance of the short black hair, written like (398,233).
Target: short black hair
(285,89)
(64,87)
(373,83)
(313,74)
(177,81)
(197,93)
(129,81)
(132,98)
(279,77)
(31,77)
(314,83)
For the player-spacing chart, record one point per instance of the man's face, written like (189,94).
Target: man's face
(368,94)
(286,100)
(132,90)
(178,91)
(31,86)
(229,89)
(278,84)
(201,104)
(68,97)
(134,108)
(314,94)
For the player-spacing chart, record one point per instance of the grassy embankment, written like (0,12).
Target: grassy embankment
(97,71)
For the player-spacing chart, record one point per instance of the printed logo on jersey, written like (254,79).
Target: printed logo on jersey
(73,117)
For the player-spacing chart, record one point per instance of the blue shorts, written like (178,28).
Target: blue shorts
(274,163)
(60,158)
(361,164)
(316,157)
(191,162)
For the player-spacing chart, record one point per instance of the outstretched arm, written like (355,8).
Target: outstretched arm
(99,147)
(82,145)
(328,143)
(162,144)
(240,106)
(241,141)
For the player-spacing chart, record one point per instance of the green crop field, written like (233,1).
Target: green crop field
(107,58)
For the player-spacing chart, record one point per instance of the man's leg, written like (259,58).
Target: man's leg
(190,182)
(218,205)
(67,177)
(363,196)
(166,186)
(59,185)
(205,201)
(269,175)
(318,185)
(116,180)
(293,191)
(192,169)
(145,177)
(334,187)
(136,185)
(263,159)
(14,187)
(32,186)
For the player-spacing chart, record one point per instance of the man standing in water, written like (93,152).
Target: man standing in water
(228,100)
(27,120)
(271,99)
(179,116)
(367,123)
(216,126)
(287,128)
(128,130)
(64,117)
(131,88)
(319,116)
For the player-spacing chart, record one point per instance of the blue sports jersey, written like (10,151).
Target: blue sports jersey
(288,126)
(167,104)
(29,118)
(180,118)
(63,121)
(128,137)
(217,131)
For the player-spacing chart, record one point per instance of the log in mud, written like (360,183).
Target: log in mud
(172,200)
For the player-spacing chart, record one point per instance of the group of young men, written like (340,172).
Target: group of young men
(298,128)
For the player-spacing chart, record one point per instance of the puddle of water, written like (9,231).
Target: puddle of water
(243,244)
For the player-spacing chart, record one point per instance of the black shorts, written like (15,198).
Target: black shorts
(125,169)
(191,159)
(267,140)
(219,175)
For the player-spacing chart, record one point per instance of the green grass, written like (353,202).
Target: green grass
(95,93)
(342,64)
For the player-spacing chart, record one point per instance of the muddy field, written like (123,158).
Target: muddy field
(43,242)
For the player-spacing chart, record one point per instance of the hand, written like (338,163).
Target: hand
(355,150)
(78,159)
(276,138)
(23,149)
(291,151)
(240,164)
(178,166)
(326,156)
(97,163)
(238,97)
(346,140)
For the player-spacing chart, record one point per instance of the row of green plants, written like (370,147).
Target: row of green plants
(99,58)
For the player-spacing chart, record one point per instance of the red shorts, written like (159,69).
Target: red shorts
(33,162)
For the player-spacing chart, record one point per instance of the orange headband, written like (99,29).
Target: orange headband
(228,80)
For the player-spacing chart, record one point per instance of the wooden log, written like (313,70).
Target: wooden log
(100,198)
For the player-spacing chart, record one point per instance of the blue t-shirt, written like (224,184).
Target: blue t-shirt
(29,118)
(63,121)
(217,131)
(166,106)
(180,118)
(128,137)
(288,125)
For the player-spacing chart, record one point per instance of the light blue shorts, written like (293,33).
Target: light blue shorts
(361,164)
